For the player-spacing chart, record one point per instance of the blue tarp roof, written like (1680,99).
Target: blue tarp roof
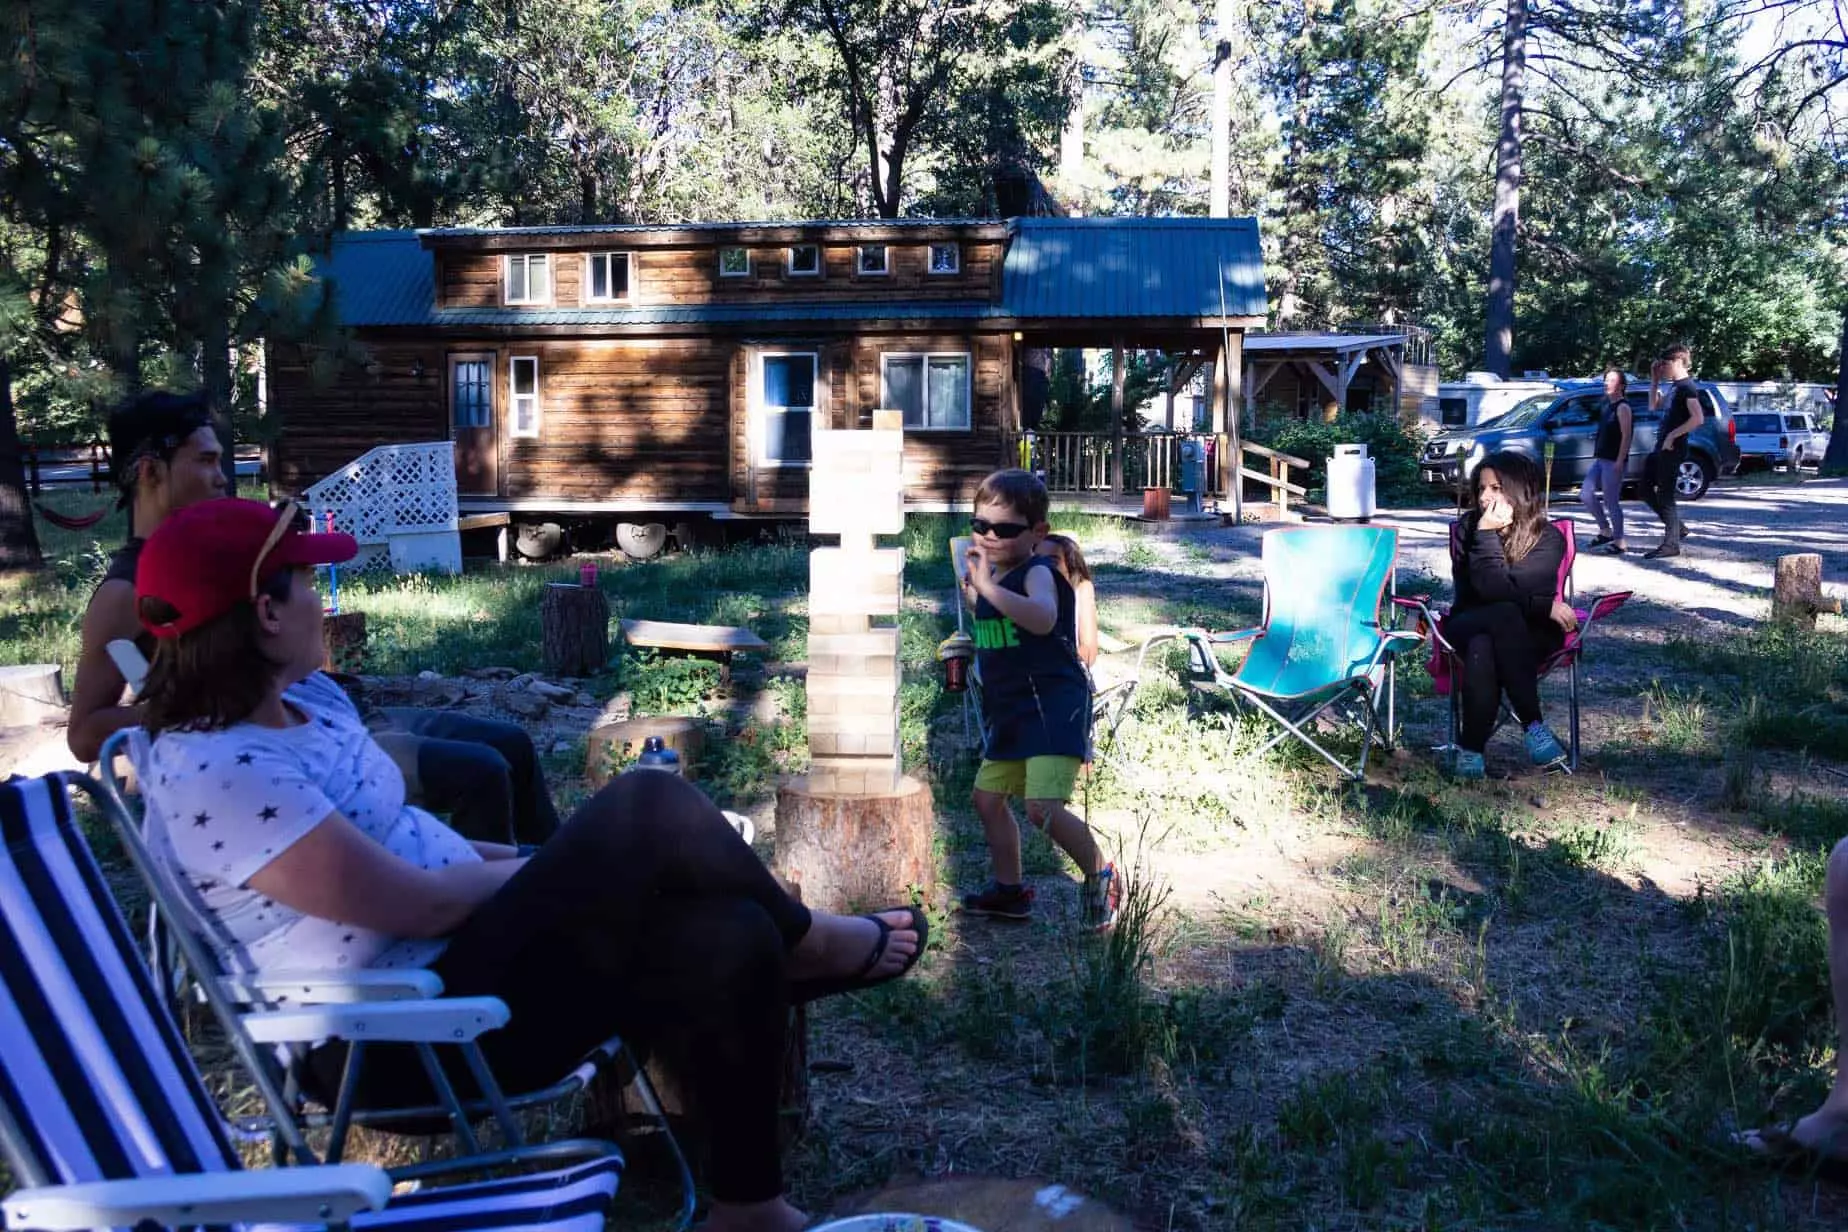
(1068,269)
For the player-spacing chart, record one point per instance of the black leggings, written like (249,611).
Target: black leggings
(1657,488)
(647,916)
(1501,652)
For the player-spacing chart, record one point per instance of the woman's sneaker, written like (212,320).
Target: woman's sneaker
(1463,765)
(1001,902)
(1543,747)
(1097,901)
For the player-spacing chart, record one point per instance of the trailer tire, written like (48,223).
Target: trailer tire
(641,540)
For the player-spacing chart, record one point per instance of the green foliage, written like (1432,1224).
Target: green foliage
(665,684)
(1393,447)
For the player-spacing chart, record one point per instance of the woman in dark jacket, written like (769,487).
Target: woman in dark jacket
(1507,617)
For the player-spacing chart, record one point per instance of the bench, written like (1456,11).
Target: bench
(718,642)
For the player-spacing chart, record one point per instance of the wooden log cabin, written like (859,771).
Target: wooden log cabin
(658,375)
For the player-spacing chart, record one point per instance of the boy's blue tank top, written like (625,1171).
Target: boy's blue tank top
(1036,695)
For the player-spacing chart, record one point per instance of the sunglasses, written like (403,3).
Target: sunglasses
(289,517)
(1000,530)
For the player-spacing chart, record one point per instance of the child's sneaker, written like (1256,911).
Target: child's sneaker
(1001,902)
(1097,901)
(1543,747)
(1463,765)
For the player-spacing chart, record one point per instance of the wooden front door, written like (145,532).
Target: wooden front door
(471,423)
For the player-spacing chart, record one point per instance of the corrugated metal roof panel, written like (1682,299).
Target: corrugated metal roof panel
(1258,342)
(649,228)
(719,314)
(1134,267)
(381,278)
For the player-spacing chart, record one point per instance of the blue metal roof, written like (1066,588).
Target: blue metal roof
(1134,267)
(1063,268)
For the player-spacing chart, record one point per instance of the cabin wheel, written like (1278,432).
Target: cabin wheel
(641,540)
(538,540)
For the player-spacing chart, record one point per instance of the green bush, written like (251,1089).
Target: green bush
(1393,447)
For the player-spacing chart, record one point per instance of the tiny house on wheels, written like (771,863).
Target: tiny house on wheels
(642,379)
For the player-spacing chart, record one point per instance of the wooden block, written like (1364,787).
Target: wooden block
(843,504)
(856,775)
(889,421)
(875,642)
(852,665)
(838,622)
(839,735)
(856,583)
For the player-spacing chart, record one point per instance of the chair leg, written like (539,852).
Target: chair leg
(1572,695)
(689,1195)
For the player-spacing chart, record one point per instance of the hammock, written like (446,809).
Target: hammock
(67,521)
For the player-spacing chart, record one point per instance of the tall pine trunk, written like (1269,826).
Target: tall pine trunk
(1835,460)
(1498,323)
(19,545)
(216,377)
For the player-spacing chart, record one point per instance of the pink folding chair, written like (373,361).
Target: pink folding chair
(1446,661)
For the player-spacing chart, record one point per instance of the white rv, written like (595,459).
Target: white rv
(1481,396)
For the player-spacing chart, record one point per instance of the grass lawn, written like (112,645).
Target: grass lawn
(1540,1002)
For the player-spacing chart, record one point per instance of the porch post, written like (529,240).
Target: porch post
(1116,415)
(1174,366)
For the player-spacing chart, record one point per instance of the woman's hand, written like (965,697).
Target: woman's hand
(1564,616)
(1497,514)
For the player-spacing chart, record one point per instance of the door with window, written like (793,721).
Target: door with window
(785,410)
(471,424)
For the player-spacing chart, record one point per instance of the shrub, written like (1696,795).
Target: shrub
(1393,447)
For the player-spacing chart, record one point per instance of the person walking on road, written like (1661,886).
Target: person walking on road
(1603,491)
(1681,415)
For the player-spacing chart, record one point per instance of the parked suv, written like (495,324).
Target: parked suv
(1568,418)
(1778,438)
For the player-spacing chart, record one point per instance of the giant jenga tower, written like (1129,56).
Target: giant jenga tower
(856,833)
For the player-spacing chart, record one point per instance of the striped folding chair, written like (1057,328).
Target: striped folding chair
(185,944)
(104,1118)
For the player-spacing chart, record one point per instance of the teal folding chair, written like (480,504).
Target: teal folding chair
(1322,649)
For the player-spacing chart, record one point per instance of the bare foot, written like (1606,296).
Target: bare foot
(776,1215)
(1823,1133)
(837,945)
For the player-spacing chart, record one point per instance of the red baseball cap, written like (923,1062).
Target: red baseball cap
(207,558)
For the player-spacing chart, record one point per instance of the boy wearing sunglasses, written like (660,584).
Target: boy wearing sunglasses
(1036,699)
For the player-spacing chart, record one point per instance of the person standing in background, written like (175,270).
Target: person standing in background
(1602,494)
(1681,415)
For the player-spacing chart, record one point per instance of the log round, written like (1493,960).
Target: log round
(343,642)
(1796,593)
(575,625)
(856,853)
(30,694)
(620,742)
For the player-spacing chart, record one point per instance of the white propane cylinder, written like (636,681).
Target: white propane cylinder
(1350,484)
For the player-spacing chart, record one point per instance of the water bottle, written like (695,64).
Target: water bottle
(657,756)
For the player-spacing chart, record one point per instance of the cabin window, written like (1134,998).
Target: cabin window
(945,258)
(523,397)
(529,278)
(785,410)
(873,259)
(932,390)
(804,260)
(606,277)
(473,401)
(734,262)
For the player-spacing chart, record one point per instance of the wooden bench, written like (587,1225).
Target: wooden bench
(718,642)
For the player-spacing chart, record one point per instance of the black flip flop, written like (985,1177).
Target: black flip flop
(803,991)
(1778,1149)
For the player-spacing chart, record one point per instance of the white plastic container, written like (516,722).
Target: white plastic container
(1350,484)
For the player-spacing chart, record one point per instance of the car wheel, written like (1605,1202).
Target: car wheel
(1694,478)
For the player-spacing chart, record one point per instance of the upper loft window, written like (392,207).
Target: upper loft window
(873,260)
(734,262)
(529,278)
(945,258)
(606,277)
(804,260)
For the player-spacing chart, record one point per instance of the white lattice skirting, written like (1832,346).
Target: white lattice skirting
(399,501)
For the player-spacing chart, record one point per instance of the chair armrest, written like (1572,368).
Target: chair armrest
(333,987)
(1234,636)
(452,1020)
(330,1193)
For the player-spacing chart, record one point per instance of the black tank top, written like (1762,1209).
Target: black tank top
(1610,433)
(1036,695)
(122,565)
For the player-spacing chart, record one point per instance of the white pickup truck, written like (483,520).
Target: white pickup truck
(1778,439)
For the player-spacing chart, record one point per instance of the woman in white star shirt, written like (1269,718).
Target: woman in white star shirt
(645,914)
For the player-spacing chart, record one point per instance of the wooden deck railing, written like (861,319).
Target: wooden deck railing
(1080,464)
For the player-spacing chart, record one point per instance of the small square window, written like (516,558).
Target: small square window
(804,260)
(873,259)
(734,262)
(945,258)
(529,278)
(606,277)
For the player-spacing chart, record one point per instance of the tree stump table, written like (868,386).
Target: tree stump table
(574,623)
(618,743)
(856,852)
(32,693)
(1796,594)
(343,642)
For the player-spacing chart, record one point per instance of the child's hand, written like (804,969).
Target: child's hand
(976,561)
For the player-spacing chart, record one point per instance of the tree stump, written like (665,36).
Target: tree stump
(575,625)
(343,642)
(1796,595)
(32,693)
(612,744)
(854,853)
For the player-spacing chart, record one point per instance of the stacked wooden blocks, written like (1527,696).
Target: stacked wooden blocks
(856,491)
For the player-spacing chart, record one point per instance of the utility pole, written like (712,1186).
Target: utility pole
(1221,201)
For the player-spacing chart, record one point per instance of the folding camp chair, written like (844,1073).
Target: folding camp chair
(234,997)
(1321,649)
(104,1117)
(1567,656)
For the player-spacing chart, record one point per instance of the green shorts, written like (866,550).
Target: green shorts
(1036,778)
